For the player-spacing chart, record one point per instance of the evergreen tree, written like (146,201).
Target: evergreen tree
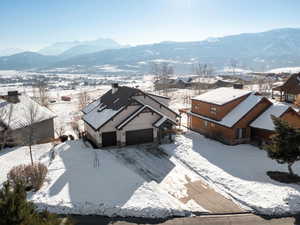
(16,210)
(285,145)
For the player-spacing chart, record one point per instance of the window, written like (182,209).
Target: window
(196,106)
(213,110)
(205,123)
(240,133)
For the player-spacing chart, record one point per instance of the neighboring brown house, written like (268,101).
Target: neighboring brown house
(263,127)
(226,114)
(17,111)
(290,89)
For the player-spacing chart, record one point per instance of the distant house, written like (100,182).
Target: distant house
(125,116)
(236,116)
(18,112)
(180,82)
(290,89)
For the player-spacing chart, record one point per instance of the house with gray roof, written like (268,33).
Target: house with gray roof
(21,115)
(126,116)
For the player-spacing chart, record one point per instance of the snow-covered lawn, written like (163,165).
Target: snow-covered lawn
(11,157)
(83,180)
(238,171)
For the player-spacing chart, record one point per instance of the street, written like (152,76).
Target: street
(243,219)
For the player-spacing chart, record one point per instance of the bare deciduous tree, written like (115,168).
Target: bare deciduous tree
(29,134)
(233,65)
(40,92)
(202,70)
(83,99)
(59,128)
(162,72)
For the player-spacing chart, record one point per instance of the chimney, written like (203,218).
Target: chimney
(115,87)
(13,96)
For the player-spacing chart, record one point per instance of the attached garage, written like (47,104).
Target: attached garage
(109,139)
(139,136)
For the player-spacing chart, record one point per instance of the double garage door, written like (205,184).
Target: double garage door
(132,137)
(139,136)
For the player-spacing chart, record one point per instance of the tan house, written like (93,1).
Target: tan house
(126,116)
(235,116)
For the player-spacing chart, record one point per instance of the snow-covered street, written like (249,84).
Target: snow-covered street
(239,172)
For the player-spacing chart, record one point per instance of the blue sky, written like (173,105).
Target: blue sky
(32,24)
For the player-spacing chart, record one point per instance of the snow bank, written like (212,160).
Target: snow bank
(239,172)
(87,181)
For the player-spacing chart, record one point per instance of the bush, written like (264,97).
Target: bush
(30,176)
(16,210)
(63,138)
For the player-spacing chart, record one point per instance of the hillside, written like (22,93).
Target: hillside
(25,60)
(255,51)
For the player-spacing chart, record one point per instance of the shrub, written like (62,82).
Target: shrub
(63,138)
(30,176)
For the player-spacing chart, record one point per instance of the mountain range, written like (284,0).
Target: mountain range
(255,51)
(74,48)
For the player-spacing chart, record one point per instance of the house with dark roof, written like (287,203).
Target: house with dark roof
(235,116)
(20,115)
(290,89)
(125,116)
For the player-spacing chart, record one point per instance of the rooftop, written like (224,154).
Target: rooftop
(264,121)
(20,112)
(221,96)
(237,113)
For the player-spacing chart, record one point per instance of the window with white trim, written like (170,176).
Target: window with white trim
(205,123)
(213,110)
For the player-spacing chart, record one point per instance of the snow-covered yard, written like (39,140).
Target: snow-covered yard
(82,180)
(238,171)
(11,157)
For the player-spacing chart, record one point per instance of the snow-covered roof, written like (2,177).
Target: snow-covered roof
(96,118)
(237,113)
(264,121)
(104,108)
(20,112)
(88,108)
(222,95)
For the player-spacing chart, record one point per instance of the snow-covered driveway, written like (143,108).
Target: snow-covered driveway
(238,171)
(175,178)
(89,181)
